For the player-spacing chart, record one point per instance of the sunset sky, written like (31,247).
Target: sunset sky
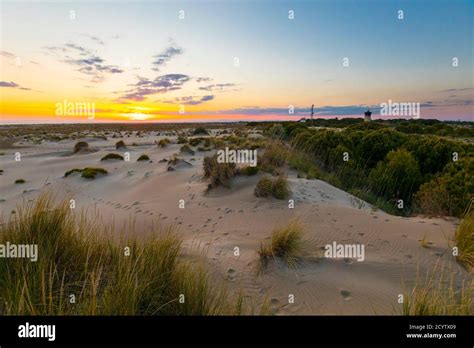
(139,61)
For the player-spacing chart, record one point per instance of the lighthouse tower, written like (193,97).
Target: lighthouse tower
(367,115)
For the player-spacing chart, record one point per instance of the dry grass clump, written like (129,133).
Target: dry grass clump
(120,145)
(219,174)
(273,186)
(164,142)
(112,156)
(107,275)
(274,156)
(80,146)
(464,239)
(87,173)
(143,157)
(187,149)
(438,295)
(286,243)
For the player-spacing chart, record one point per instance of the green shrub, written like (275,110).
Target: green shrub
(248,170)
(449,192)
(398,176)
(81,145)
(143,157)
(187,149)
(120,145)
(20,181)
(112,156)
(163,142)
(90,173)
(200,130)
(273,157)
(272,186)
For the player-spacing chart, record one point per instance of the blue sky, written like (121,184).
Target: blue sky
(282,62)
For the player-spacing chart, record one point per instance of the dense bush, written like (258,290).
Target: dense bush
(396,177)
(449,192)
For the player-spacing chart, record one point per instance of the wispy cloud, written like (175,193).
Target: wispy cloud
(7,54)
(190,100)
(456,90)
(166,55)
(12,84)
(161,84)
(95,39)
(87,60)
(218,87)
(203,79)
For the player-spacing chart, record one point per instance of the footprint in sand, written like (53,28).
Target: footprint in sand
(348,261)
(346,294)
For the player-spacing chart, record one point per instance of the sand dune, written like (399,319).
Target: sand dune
(213,224)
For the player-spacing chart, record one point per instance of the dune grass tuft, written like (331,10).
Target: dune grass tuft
(187,149)
(143,157)
(87,173)
(286,243)
(163,142)
(437,294)
(219,174)
(120,145)
(82,257)
(20,181)
(464,239)
(274,156)
(81,145)
(272,186)
(112,156)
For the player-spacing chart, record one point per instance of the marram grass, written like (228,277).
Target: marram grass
(438,294)
(81,270)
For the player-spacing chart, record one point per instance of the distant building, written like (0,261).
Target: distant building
(367,115)
(303,120)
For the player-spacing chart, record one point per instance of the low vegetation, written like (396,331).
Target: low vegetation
(464,240)
(143,157)
(120,145)
(272,186)
(274,157)
(219,174)
(108,275)
(87,173)
(402,174)
(286,243)
(437,294)
(20,181)
(163,142)
(187,149)
(200,131)
(112,156)
(81,146)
